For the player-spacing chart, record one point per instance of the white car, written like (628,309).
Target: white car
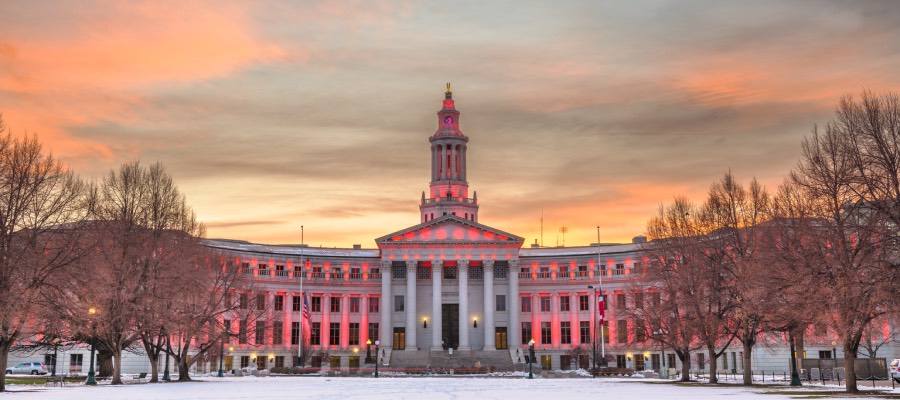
(894,369)
(33,368)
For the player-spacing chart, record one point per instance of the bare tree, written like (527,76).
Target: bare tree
(40,200)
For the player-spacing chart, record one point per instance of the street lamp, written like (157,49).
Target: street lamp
(530,358)
(795,377)
(55,352)
(221,357)
(376,356)
(90,379)
(368,351)
(662,349)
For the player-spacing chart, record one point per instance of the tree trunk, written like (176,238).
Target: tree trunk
(713,364)
(850,369)
(4,357)
(685,366)
(183,370)
(117,368)
(105,361)
(154,367)
(748,363)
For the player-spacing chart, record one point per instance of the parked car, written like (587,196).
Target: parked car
(33,368)
(894,370)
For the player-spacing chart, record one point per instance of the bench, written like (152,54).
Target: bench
(140,378)
(55,380)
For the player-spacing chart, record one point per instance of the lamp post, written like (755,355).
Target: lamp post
(377,342)
(368,351)
(662,350)
(221,357)
(166,376)
(834,349)
(55,352)
(530,358)
(795,377)
(90,378)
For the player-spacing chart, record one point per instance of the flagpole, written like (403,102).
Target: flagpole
(600,289)
(302,302)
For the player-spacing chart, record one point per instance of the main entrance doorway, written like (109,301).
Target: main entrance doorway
(450,325)
(399,338)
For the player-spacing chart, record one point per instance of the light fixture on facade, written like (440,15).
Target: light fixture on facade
(475,323)
(425,323)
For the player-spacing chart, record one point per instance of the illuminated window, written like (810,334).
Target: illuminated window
(526,304)
(564,303)
(565,332)
(545,304)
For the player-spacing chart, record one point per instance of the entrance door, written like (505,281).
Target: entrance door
(399,338)
(500,338)
(450,325)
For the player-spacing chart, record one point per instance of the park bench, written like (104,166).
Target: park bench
(55,380)
(140,378)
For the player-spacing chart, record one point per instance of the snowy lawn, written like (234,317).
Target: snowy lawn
(396,388)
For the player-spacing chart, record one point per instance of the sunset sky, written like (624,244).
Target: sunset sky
(273,115)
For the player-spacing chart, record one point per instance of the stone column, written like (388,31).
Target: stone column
(554,319)
(345,321)
(363,319)
(436,298)
(463,275)
(514,331)
(489,340)
(574,306)
(411,344)
(325,328)
(452,162)
(288,318)
(386,331)
(592,306)
(462,169)
(443,163)
(536,318)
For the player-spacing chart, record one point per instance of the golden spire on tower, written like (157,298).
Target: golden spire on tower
(448,87)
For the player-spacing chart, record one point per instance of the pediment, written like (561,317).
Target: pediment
(449,228)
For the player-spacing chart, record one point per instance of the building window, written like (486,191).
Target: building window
(373,304)
(242,332)
(825,354)
(655,299)
(245,361)
(638,300)
(354,334)
(584,330)
(526,332)
(277,333)
(620,270)
(701,361)
(501,302)
(295,333)
(335,305)
(423,273)
(526,304)
(565,332)
(545,304)
(315,333)
(476,272)
(316,304)
(226,326)
(398,272)
(584,303)
(279,303)
(620,361)
(564,303)
(501,271)
(295,306)
(640,333)
(260,332)
(75,362)
(450,273)
(260,301)
(373,331)
(546,337)
(622,331)
(620,301)
(243,300)
(606,302)
(354,304)
(398,303)
(334,334)
(279,361)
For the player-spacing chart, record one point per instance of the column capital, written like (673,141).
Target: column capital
(462,265)
(514,265)
(489,264)
(385,263)
(411,265)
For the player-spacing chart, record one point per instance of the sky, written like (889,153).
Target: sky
(277,115)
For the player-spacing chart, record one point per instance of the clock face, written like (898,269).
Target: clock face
(448,121)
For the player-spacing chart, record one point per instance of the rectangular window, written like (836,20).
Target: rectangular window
(260,301)
(450,273)
(354,305)
(279,303)
(526,304)
(825,354)
(242,332)
(655,299)
(226,326)
(584,330)
(476,272)
(295,333)
(398,272)
(620,301)
(501,302)
(640,334)
(565,332)
(315,333)
(260,337)
(501,271)
(277,333)
(373,332)
(423,273)
(622,331)
(620,361)
(279,361)
(373,304)
(564,303)
(545,304)
(75,362)
(584,303)
(242,301)
(606,302)
(398,303)
(245,361)
(296,306)
(334,334)
(526,332)
(335,304)
(546,336)
(701,361)
(638,300)
(354,334)
(316,304)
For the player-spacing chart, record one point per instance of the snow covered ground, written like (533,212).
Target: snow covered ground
(398,388)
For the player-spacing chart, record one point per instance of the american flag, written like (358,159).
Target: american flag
(306,307)
(600,307)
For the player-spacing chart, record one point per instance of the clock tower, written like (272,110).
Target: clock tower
(449,190)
